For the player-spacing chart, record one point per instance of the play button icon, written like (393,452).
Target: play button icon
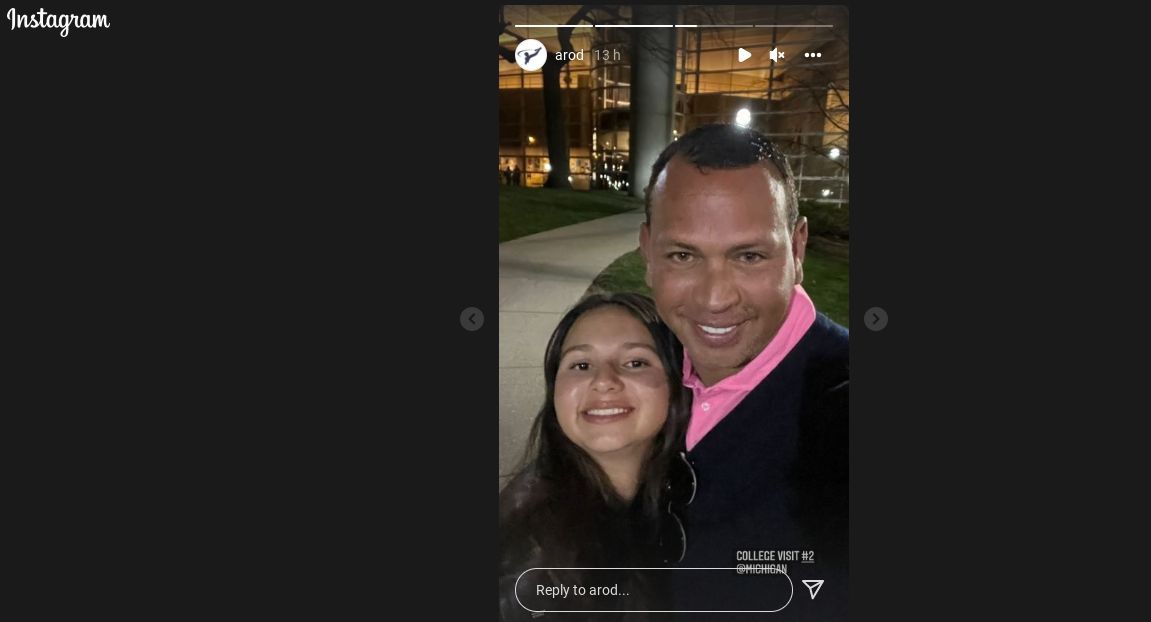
(744,55)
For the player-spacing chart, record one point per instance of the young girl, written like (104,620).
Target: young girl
(590,492)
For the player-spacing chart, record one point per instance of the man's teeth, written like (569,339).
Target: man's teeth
(606,412)
(711,330)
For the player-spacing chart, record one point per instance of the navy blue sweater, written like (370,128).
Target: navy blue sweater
(773,476)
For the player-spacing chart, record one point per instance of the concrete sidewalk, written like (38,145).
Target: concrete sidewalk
(541,277)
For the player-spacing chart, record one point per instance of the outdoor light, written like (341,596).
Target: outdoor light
(531,140)
(825,192)
(743,117)
(569,179)
(547,167)
(834,153)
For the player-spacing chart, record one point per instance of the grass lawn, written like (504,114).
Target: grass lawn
(524,211)
(825,279)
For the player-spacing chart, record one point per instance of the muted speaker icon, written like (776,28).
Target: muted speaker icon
(775,54)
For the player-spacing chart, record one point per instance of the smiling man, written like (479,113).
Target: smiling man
(724,246)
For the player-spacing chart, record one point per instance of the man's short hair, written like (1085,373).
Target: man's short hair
(724,146)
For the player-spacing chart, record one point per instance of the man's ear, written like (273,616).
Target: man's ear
(799,247)
(645,250)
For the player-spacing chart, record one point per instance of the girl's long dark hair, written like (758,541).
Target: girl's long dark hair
(560,498)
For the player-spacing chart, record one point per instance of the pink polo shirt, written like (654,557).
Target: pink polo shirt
(711,404)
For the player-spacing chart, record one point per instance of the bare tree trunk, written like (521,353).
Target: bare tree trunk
(556,117)
(556,126)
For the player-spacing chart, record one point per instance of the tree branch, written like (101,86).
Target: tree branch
(507,54)
(824,86)
(565,34)
(504,28)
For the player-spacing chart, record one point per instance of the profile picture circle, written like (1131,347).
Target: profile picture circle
(530,55)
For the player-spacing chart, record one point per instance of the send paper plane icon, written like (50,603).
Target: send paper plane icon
(813,586)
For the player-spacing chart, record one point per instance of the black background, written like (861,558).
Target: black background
(237,243)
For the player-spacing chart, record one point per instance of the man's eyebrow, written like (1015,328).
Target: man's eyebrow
(745,246)
(752,246)
(679,244)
